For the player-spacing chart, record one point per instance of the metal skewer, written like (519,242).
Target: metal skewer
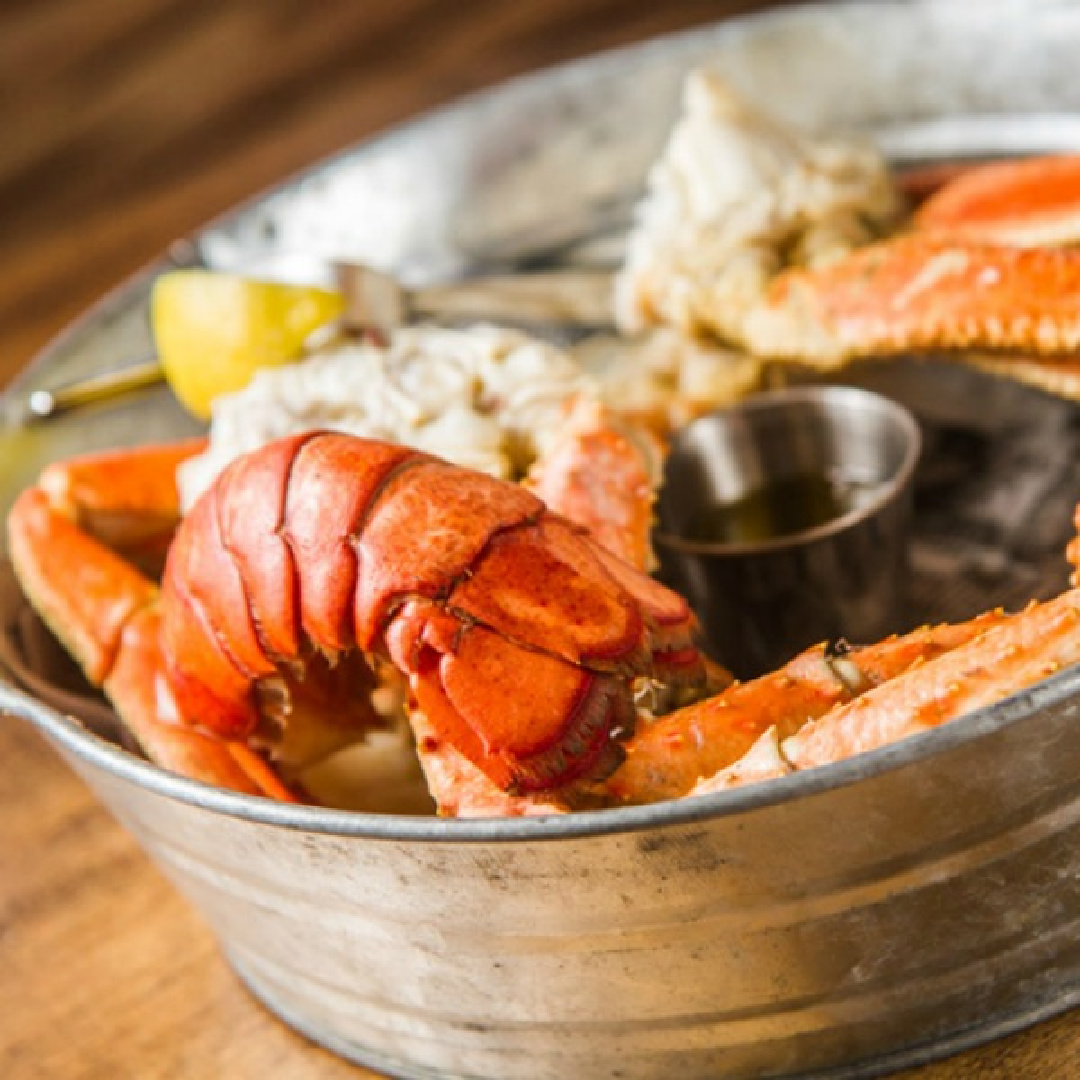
(42,404)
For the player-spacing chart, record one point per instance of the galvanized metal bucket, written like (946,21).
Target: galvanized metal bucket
(848,920)
(881,912)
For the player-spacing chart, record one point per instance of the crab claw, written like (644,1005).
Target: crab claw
(921,292)
(1030,203)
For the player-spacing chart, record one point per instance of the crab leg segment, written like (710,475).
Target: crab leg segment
(88,618)
(921,292)
(604,477)
(1023,650)
(665,759)
(1029,203)
(107,616)
(137,688)
(127,498)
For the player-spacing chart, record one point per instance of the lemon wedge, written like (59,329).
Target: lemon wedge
(213,331)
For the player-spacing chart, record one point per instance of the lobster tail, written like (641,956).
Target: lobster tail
(520,635)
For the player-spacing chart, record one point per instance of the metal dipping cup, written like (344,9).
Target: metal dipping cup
(760,603)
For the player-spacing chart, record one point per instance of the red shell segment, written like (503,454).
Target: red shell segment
(332,484)
(519,634)
(545,586)
(427,531)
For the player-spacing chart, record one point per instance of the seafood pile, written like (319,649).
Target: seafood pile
(490,398)
(448,533)
(798,251)
(484,398)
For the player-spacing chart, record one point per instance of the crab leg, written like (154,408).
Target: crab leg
(126,498)
(1002,660)
(1029,203)
(665,759)
(109,620)
(603,475)
(920,292)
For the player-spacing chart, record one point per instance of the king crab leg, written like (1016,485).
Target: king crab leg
(1001,660)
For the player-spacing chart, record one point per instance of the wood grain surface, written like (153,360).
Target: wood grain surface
(126,123)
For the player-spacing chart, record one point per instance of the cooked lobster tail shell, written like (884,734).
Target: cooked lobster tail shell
(519,633)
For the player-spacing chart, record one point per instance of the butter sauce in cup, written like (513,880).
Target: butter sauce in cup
(785,522)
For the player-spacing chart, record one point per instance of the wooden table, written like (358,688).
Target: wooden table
(128,123)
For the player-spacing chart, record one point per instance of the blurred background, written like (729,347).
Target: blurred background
(127,123)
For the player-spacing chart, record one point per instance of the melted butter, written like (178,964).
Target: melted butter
(780,508)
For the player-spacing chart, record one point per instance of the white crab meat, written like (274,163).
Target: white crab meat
(734,199)
(483,397)
(664,379)
(488,398)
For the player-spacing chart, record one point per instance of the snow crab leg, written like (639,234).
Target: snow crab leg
(79,515)
(128,499)
(999,661)
(665,759)
(915,293)
(604,476)
(826,706)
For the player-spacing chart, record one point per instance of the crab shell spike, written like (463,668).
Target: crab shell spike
(1029,203)
(921,292)
(518,640)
